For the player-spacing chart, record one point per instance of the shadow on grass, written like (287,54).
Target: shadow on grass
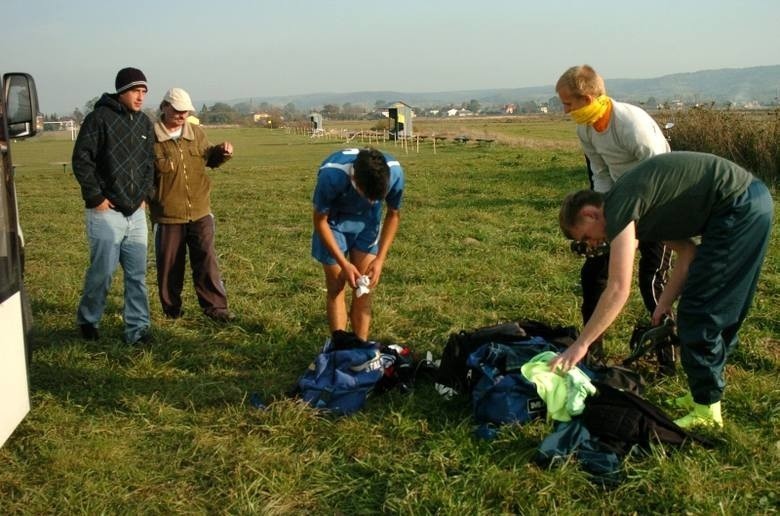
(192,363)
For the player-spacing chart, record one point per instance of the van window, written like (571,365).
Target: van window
(9,257)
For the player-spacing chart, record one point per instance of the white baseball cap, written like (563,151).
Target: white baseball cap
(179,99)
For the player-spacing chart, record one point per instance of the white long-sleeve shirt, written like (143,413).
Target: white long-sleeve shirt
(631,137)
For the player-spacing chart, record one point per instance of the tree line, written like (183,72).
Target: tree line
(265,114)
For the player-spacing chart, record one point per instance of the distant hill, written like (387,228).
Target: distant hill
(738,85)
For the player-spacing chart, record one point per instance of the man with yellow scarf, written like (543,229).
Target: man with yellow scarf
(615,137)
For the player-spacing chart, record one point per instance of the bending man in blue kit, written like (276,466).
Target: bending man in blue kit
(350,240)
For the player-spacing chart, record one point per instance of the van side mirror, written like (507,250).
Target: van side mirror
(21,104)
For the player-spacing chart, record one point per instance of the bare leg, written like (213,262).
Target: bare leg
(360,311)
(334,302)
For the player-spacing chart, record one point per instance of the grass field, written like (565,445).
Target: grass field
(170,429)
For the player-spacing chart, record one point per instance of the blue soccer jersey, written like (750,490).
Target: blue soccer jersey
(336,196)
(352,217)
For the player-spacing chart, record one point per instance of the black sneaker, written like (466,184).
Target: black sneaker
(173,314)
(146,337)
(89,332)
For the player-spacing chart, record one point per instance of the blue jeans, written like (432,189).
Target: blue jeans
(115,239)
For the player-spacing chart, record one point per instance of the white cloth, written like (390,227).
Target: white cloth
(362,286)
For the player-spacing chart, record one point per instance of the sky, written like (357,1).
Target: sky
(226,50)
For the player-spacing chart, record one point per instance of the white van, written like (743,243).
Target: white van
(18,116)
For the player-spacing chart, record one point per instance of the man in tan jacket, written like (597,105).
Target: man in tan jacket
(181,209)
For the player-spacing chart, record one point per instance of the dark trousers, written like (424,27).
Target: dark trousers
(719,289)
(654,261)
(171,242)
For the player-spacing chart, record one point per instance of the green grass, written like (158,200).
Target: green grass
(171,429)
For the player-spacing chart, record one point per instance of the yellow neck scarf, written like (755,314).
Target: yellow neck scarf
(589,114)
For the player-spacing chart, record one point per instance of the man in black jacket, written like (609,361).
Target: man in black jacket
(113,161)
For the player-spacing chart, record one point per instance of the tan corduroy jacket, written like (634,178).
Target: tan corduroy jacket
(182,186)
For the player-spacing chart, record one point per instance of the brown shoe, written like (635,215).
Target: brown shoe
(221,316)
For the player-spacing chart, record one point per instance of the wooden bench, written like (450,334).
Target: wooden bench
(63,164)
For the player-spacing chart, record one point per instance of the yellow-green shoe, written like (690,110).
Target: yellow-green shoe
(702,415)
(684,402)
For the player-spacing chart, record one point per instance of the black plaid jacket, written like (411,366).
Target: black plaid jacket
(114,156)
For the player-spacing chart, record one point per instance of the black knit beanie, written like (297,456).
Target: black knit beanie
(128,78)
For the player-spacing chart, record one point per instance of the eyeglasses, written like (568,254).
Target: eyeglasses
(583,249)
